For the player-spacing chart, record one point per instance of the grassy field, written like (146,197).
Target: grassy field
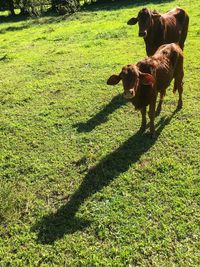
(78,185)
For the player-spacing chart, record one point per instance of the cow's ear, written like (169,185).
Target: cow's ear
(132,21)
(114,79)
(147,79)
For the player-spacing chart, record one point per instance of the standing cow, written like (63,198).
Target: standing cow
(158,29)
(142,82)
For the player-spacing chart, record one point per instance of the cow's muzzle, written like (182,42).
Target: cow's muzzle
(129,94)
(142,34)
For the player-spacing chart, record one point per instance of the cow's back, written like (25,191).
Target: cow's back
(162,65)
(171,27)
(175,26)
(167,57)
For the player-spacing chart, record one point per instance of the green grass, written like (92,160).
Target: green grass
(78,185)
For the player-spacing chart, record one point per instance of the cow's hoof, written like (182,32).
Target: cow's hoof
(142,129)
(153,135)
(180,105)
(157,113)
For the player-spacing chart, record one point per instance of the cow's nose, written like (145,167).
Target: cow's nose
(129,94)
(142,34)
(132,92)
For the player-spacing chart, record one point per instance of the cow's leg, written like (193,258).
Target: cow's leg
(178,82)
(159,107)
(144,121)
(152,108)
(180,91)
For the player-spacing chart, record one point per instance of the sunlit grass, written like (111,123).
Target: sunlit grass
(78,186)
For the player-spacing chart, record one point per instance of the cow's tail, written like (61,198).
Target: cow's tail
(184,30)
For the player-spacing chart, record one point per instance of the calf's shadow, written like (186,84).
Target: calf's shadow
(64,221)
(102,116)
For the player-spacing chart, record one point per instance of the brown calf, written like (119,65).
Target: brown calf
(158,29)
(142,82)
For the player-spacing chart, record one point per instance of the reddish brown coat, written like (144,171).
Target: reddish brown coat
(158,29)
(142,82)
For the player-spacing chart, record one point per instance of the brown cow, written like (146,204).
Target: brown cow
(158,29)
(142,82)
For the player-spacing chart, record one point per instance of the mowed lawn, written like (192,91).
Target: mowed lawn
(78,185)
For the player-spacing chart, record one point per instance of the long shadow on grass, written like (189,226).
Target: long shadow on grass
(14,28)
(119,4)
(31,21)
(102,116)
(95,6)
(64,220)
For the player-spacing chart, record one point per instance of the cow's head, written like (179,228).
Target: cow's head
(145,20)
(131,78)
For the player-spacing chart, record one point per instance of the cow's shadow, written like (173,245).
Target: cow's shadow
(102,116)
(64,221)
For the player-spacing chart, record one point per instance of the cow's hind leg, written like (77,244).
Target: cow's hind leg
(159,107)
(178,84)
(180,101)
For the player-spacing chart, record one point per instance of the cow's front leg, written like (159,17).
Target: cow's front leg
(152,117)
(159,107)
(144,121)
